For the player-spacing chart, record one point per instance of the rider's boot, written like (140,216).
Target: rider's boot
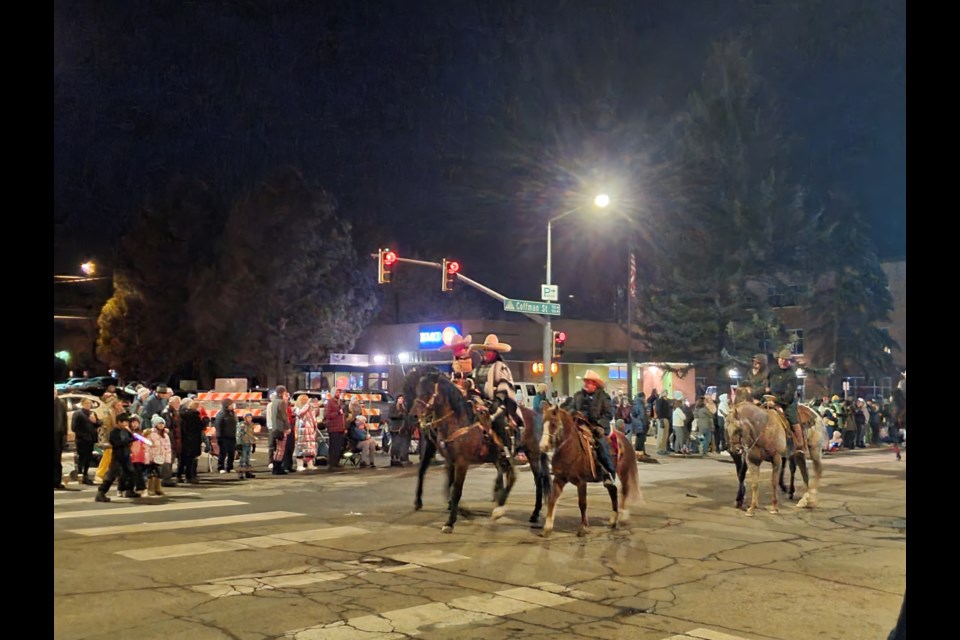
(797,434)
(608,472)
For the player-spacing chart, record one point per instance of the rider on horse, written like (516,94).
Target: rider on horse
(465,361)
(493,380)
(594,404)
(783,387)
(759,378)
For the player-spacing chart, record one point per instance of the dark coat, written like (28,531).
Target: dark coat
(783,385)
(596,407)
(83,427)
(226,424)
(333,417)
(59,423)
(172,418)
(191,432)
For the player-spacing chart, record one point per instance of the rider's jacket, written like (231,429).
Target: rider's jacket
(783,385)
(595,406)
(464,365)
(492,378)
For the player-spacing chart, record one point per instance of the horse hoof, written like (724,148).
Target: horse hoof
(775,511)
(748,513)
(582,532)
(446,529)
(535,518)
(546,533)
(498,513)
(417,505)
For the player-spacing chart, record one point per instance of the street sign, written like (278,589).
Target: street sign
(549,292)
(529,306)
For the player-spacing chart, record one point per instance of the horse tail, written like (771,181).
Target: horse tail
(627,469)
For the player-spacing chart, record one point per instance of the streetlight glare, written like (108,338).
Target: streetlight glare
(602,200)
(89,268)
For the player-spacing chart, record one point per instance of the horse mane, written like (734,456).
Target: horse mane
(448,391)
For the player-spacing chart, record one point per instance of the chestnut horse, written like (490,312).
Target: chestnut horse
(813,433)
(573,462)
(539,464)
(446,426)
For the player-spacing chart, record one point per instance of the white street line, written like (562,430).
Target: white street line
(470,610)
(85,496)
(705,634)
(93,513)
(256,542)
(144,527)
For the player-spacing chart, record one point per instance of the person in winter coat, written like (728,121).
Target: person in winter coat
(159,454)
(85,436)
(226,427)
(59,439)
(638,414)
(336,430)
(723,408)
(704,423)
(246,438)
(306,441)
(401,432)
(191,439)
(171,415)
(359,436)
(120,439)
(138,460)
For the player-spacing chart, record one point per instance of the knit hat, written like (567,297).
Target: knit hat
(157,421)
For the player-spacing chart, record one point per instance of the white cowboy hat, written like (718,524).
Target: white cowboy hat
(492,343)
(593,375)
(457,341)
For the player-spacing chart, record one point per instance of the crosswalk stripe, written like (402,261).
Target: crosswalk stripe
(85,496)
(93,513)
(486,608)
(256,542)
(144,527)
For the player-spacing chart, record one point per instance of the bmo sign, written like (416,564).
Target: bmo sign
(434,336)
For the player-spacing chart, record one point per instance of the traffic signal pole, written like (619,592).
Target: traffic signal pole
(479,287)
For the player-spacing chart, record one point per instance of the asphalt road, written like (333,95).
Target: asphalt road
(345,555)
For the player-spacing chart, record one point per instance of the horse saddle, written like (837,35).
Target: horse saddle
(776,414)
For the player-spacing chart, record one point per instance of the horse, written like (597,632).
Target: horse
(445,426)
(573,462)
(812,424)
(539,464)
(755,435)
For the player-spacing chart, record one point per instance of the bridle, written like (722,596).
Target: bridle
(738,446)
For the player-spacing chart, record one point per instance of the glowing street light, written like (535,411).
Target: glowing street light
(89,267)
(602,200)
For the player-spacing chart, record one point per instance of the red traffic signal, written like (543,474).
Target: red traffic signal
(385,261)
(559,338)
(450,269)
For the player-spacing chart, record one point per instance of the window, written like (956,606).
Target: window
(795,336)
(618,373)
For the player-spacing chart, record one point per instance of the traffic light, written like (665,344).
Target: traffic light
(385,260)
(559,339)
(450,270)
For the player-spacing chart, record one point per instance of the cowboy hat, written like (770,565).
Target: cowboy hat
(593,375)
(784,354)
(492,343)
(458,341)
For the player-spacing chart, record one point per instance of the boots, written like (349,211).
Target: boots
(300,466)
(156,486)
(797,434)
(310,465)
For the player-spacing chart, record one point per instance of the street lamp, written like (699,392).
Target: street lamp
(601,201)
(89,267)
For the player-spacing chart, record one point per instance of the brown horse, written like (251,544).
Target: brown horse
(813,434)
(755,435)
(539,464)
(446,426)
(573,462)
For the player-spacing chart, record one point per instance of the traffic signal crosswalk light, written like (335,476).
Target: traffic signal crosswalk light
(559,339)
(385,260)
(450,269)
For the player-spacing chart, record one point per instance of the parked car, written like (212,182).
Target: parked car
(67,385)
(95,386)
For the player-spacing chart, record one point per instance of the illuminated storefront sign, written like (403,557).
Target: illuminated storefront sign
(434,336)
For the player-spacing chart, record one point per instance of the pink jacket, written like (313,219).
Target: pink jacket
(162,451)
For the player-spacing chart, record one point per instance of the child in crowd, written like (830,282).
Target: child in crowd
(160,454)
(120,440)
(246,438)
(836,441)
(138,461)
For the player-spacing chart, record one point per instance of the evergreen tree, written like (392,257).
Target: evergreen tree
(289,286)
(728,225)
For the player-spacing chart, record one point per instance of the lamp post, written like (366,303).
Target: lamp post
(601,201)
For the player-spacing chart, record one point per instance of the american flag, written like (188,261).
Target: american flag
(633,276)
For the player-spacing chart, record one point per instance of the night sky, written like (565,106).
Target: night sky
(416,113)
